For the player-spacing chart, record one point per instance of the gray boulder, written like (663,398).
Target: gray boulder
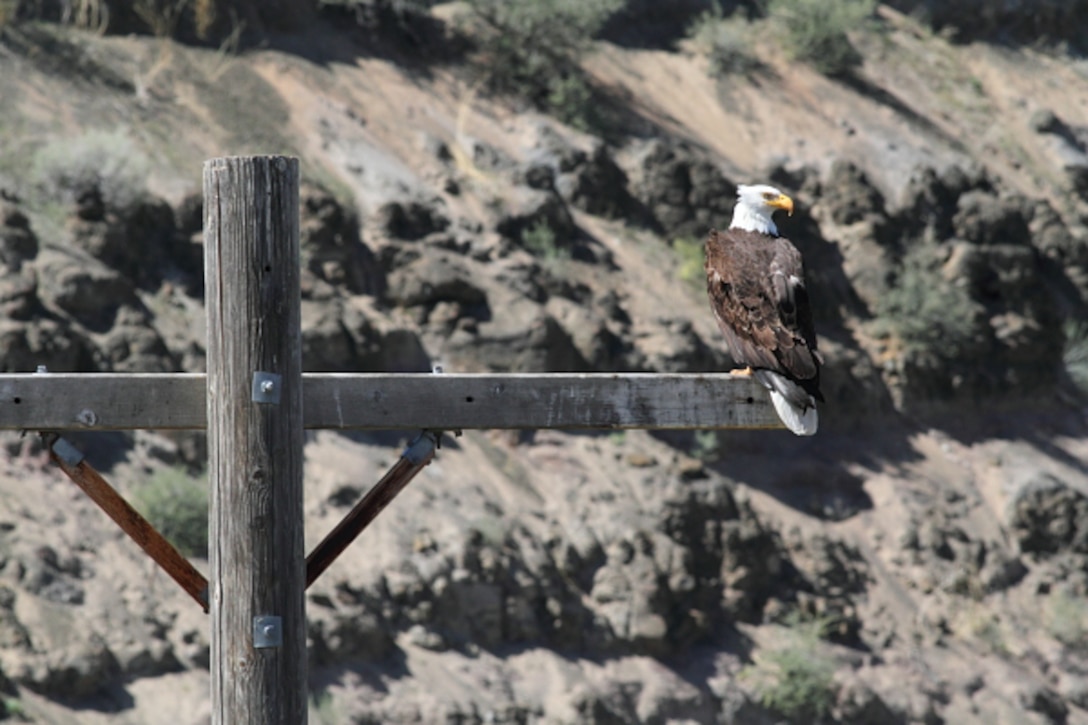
(1047,516)
(410,220)
(18,243)
(331,248)
(683,192)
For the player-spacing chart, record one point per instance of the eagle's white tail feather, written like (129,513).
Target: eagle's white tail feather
(801,422)
(794,406)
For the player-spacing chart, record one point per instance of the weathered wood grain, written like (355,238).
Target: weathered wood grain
(558,400)
(401,402)
(251,272)
(102,401)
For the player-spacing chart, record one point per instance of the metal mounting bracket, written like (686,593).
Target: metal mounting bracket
(267,631)
(66,452)
(422,448)
(266,387)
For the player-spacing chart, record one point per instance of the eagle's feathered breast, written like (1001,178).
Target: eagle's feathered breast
(757,291)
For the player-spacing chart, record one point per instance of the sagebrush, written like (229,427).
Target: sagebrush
(689,254)
(176,504)
(106,162)
(539,239)
(1065,619)
(927,312)
(796,679)
(816,31)
(533,48)
(726,43)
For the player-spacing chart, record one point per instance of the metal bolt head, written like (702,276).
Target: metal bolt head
(266,387)
(267,631)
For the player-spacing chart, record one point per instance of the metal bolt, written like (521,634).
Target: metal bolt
(266,387)
(267,631)
(87,417)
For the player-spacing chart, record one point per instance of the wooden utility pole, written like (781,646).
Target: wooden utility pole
(255,440)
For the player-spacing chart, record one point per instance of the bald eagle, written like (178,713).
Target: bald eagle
(756,283)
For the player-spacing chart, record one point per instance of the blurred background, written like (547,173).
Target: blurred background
(524,186)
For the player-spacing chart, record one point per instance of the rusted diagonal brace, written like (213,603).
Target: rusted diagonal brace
(411,462)
(70,460)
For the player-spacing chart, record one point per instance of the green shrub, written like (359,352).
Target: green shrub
(796,679)
(1075,353)
(176,504)
(926,311)
(14,710)
(815,31)
(726,43)
(706,446)
(9,10)
(323,709)
(570,99)
(108,161)
(532,49)
(539,240)
(1065,619)
(689,253)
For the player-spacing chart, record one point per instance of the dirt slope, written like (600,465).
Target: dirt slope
(567,578)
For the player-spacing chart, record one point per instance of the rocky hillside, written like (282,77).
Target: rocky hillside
(923,559)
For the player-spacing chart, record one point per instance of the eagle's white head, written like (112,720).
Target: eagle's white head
(756,204)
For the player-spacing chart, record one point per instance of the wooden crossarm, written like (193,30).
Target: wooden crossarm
(389,401)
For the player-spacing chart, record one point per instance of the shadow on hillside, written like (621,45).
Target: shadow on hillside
(652,24)
(1039,423)
(696,663)
(111,699)
(373,673)
(830,289)
(414,42)
(819,476)
(814,475)
(869,89)
(417,44)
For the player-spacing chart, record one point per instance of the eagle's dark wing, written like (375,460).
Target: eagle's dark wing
(757,291)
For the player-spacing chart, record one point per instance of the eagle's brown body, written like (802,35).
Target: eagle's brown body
(757,291)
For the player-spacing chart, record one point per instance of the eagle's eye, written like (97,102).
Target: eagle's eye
(767,196)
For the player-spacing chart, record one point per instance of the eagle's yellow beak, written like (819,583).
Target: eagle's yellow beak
(782,202)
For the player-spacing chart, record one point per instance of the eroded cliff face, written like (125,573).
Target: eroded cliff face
(923,559)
